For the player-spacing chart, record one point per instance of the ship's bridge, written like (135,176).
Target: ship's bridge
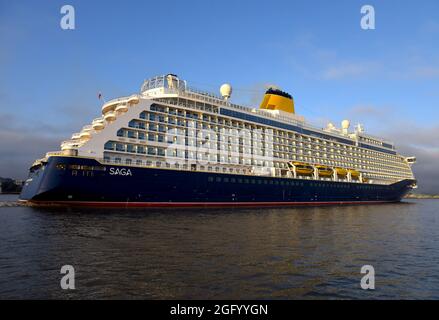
(165,84)
(170,86)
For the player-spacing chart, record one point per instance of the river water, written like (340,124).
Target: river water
(288,253)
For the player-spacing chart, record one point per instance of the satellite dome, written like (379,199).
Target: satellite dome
(345,124)
(226,91)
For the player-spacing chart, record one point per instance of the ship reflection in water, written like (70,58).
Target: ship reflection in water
(289,253)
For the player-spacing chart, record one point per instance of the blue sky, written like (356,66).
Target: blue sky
(386,78)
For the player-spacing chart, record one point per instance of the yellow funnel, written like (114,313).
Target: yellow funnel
(275,99)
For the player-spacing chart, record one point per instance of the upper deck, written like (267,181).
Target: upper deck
(162,87)
(123,134)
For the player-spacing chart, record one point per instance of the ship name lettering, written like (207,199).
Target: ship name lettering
(120,172)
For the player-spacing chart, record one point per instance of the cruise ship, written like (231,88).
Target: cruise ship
(171,145)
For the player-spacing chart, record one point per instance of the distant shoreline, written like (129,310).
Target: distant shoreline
(421,196)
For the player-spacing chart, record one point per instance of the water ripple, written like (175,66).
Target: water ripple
(10,204)
(288,253)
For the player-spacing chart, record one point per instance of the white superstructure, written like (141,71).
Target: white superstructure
(169,124)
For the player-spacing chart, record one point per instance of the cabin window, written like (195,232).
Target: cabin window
(109,146)
(131,148)
(131,134)
(120,147)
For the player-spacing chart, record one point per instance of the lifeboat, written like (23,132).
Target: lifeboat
(121,108)
(110,116)
(325,171)
(355,175)
(341,172)
(98,124)
(303,169)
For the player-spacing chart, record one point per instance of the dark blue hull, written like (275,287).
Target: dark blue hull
(81,181)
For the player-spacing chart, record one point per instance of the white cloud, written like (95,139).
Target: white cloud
(312,61)
(24,141)
(347,70)
(426,72)
(414,140)
(360,112)
(429,27)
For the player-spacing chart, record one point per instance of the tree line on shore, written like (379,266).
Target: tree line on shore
(8,185)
